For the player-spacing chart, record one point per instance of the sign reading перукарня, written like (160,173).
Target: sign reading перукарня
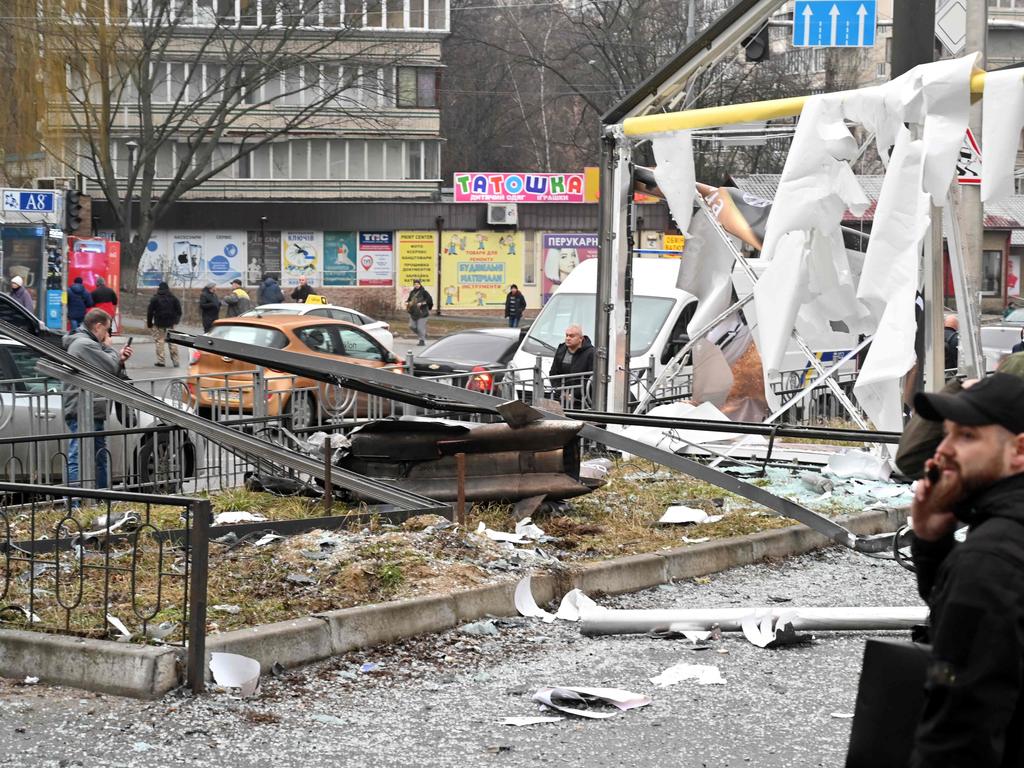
(518,187)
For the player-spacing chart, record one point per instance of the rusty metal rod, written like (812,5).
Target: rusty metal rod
(460,504)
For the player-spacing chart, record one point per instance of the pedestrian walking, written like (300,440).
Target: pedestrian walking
(163,314)
(418,305)
(209,306)
(104,298)
(79,302)
(302,291)
(237,301)
(515,305)
(573,361)
(21,294)
(974,694)
(90,343)
(269,292)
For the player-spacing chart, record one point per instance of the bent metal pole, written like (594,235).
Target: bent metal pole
(637,622)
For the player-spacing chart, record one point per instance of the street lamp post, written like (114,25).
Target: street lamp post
(439,221)
(263,244)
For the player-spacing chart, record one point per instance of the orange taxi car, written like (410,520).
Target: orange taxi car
(223,386)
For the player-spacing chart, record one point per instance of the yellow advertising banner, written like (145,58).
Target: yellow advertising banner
(674,243)
(477,268)
(417,257)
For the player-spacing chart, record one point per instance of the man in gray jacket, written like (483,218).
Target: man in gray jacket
(91,344)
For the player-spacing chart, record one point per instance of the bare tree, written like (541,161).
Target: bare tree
(215,88)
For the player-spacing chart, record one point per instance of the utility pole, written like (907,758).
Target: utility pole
(970,211)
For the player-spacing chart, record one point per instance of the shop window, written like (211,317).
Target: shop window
(992,273)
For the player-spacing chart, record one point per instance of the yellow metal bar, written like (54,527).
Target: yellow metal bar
(730,114)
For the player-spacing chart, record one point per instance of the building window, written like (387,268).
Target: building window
(417,14)
(438,14)
(374,13)
(396,14)
(417,87)
(414,160)
(992,273)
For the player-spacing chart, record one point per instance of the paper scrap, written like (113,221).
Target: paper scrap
(233,670)
(704,674)
(768,629)
(574,604)
(513,538)
(859,464)
(266,539)
(683,514)
(116,623)
(226,608)
(700,540)
(530,720)
(527,529)
(234,517)
(622,700)
(30,680)
(526,605)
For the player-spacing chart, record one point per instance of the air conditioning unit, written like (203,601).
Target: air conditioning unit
(48,182)
(502,213)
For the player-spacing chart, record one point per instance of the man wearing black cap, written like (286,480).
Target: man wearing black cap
(974,707)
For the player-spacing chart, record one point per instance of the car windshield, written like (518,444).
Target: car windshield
(565,309)
(1016,316)
(261,312)
(470,348)
(251,334)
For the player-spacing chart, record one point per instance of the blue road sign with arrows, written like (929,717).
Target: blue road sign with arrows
(834,24)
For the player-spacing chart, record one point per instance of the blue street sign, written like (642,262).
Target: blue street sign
(30,201)
(834,23)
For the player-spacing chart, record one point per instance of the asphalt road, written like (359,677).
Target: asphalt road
(440,700)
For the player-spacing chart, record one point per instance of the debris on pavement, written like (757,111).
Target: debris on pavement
(704,674)
(530,720)
(859,464)
(573,604)
(232,670)
(235,516)
(682,514)
(124,634)
(226,608)
(526,605)
(485,627)
(767,631)
(562,697)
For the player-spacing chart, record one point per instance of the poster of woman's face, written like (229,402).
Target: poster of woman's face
(561,255)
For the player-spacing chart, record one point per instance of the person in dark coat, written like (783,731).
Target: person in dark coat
(418,304)
(974,690)
(951,344)
(21,295)
(573,359)
(79,300)
(209,306)
(163,314)
(237,301)
(302,291)
(515,305)
(269,292)
(104,298)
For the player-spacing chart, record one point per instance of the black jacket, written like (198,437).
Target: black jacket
(974,707)
(301,293)
(582,360)
(514,305)
(164,309)
(419,303)
(104,294)
(79,300)
(209,305)
(951,348)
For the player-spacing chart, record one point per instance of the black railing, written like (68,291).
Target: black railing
(95,563)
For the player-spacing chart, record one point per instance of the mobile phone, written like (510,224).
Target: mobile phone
(129,341)
(934,473)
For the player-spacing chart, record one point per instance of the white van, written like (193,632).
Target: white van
(660,313)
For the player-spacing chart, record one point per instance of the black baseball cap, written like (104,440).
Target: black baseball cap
(996,399)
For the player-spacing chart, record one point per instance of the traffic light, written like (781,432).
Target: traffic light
(756,47)
(72,210)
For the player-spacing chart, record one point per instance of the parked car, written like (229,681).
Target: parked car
(998,340)
(379,329)
(31,405)
(482,355)
(222,385)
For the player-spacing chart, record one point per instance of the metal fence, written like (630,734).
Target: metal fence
(106,564)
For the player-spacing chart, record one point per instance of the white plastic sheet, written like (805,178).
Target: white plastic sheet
(1003,117)
(674,173)
(233,670)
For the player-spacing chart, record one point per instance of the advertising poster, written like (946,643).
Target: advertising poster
(264,253)
(560,254)
(155,262)
(1013,275)
(519,187)
(478,267)
(376,259)
(417,260)
(187,259)
(226,258)
(340,259)
(300,257)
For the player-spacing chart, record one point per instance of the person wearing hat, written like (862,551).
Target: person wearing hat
(237,301)
(418,304)
(515,305)
(974,690)
(21,295)
(79,300)
(209,306)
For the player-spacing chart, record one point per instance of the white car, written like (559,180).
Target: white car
(379,329)
(998,340)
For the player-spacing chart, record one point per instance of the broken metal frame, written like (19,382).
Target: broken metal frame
(433,394)
(60,365)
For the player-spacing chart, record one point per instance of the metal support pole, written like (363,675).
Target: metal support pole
(972,358)
(199,546)
(328,485)
(602,321)
(439,222)
(460,504)
(615,299)
(934,348)
(970,210)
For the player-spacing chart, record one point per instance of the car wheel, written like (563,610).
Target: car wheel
(164,463)
(300,411)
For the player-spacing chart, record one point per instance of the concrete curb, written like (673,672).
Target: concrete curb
(147,672)
(139,671)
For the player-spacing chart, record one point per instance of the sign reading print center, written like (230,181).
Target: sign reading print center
(473,187)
